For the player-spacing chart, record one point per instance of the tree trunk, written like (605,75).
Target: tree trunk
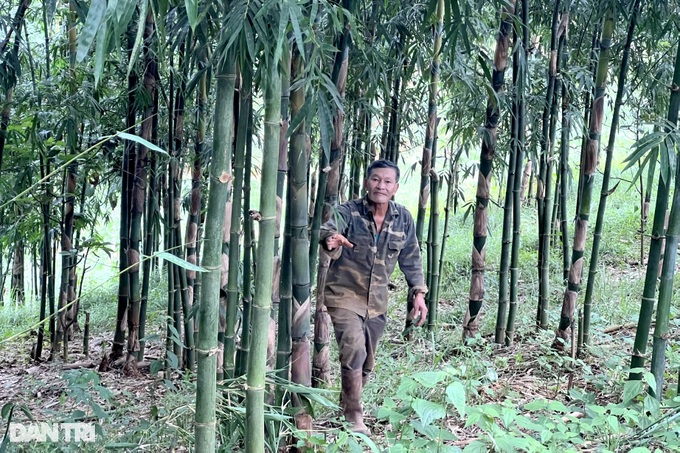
(471,320)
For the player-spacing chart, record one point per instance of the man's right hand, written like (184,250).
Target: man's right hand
(337,240)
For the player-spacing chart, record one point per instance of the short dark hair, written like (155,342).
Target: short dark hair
(382,163)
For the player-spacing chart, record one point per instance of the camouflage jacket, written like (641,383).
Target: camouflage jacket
(358,277)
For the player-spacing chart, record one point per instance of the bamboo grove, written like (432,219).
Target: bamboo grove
(221,135)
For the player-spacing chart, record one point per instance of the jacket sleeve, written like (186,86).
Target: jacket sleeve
(410,260)
(337,223)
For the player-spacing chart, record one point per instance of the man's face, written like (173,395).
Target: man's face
(381,185)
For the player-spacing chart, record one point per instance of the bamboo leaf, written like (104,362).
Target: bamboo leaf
(124,12)
(6,410)
(139,38)
(280,37)
(325,122)
(297,32)
(100,54)
(300,116)
(174,259)
(192,13)
(150,146)
(664,159)
(90,28)
(649,141)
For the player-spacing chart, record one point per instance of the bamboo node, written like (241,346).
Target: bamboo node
(208,353)
(206,425)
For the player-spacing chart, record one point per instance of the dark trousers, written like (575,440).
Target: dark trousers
(357,338)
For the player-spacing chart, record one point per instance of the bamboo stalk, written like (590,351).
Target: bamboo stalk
(220,181)
(264,273)
(604,193)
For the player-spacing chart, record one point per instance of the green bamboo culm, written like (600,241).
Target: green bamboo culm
(301,372)
(663,311)
(236,229)
(248,235)
(564,159)
(506,235)
(262,301)
(589,170)
(519,135)
(433,293)
(544,192)
(493,114)
(208,313)
(656,246)
(430,130)
(284,318)
(604,193)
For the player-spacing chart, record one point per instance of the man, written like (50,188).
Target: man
(366,238)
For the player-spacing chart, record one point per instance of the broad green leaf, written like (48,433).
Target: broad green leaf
(429,378)
(510,443)
(640,450)
(174,259)
(536,405)
(428,411)
(476,447)
(192,13)
(650,379)
(631,389)
(90,28)
(557,406)
(651,405)
(156,366)
(432,432)
(455,394)
(150,146)
(527,423)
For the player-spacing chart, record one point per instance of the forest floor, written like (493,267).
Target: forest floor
(525,397)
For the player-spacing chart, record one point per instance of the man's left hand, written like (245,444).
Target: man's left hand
(419,309)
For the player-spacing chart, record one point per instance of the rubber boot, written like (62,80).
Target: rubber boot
(350,400)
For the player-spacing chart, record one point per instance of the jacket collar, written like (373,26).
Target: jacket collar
(392,210)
